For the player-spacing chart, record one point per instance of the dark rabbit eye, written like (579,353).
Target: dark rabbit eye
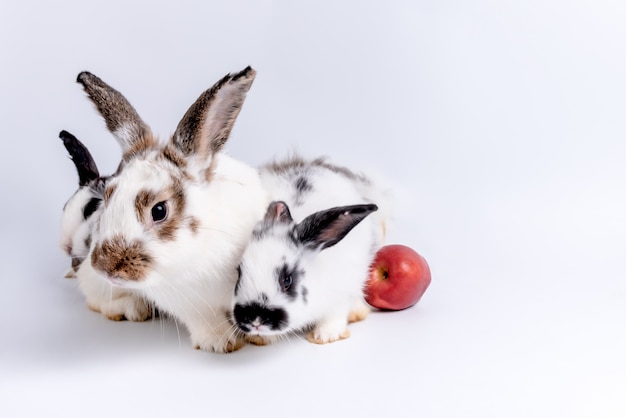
(91,207)
(287,282)
(288,279)
(159,212)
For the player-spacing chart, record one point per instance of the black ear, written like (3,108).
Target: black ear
(326,228)
(277,211)
(80,155)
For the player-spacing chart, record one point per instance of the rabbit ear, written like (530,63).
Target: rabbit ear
(326,228)
(85,165)
(207,124)
(277,212)
(120,116)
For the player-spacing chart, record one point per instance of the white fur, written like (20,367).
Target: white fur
(334,277)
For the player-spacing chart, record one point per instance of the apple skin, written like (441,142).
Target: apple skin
(398,278)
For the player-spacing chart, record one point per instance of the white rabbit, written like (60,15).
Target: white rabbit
(176,216)
(80,212)
(305,266)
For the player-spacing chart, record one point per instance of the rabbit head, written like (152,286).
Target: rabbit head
(278,291)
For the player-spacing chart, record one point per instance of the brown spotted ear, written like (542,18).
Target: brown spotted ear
(207,124)
(120,116)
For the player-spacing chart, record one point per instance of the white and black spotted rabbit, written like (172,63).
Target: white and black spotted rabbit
(81,210)
(176,216)
(308,259)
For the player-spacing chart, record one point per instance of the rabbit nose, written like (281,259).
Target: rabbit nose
(122,259)
(256,315)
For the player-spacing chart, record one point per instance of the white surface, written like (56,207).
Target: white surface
(500,123)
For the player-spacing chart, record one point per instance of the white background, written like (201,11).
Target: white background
(500,124)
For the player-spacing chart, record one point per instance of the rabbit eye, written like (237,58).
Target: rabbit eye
(287,278)
(287,282)
(159,212)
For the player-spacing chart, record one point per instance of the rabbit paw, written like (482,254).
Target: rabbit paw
(218,343)
(325,335)
(257,340)
(123,306)
(359,312)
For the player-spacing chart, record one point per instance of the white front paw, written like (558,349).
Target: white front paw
(114,303)
(217,335)
(121,305)
(328,332)
(217,343)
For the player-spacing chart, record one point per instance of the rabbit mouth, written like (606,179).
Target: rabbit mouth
(119,281)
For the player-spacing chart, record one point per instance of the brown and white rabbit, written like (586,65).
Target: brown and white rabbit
(176,216)
(307,262)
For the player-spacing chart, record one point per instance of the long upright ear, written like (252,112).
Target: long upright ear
(80,155)
(207,124)
(120,116)
(326,228)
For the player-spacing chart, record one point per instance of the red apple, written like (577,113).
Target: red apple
(398,278)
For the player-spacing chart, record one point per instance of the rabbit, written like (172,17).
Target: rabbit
(175,216)
(80,211)
(305,267)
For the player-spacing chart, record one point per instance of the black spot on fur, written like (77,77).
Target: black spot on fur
(288,279)
(302,187)
(251,314)
(305,293)
(91,207)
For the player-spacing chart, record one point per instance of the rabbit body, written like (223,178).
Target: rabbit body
(307,262)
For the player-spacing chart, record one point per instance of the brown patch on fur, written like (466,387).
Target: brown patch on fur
(194,225)
(118,258)
(139,146)
(145,200)
(174,198)
(171,154)
(166,230)
(108,192)
(311,337)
